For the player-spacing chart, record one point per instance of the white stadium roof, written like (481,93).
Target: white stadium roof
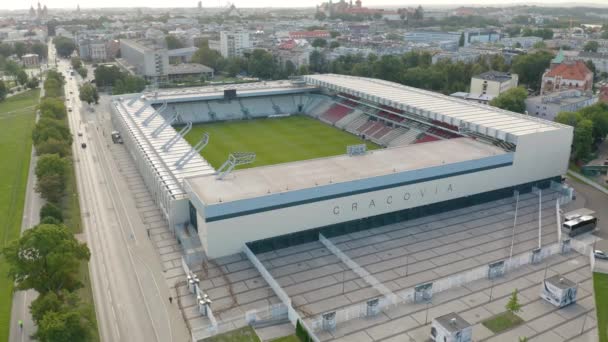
(486,120)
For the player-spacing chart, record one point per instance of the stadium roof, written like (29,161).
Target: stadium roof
(134,112)
(217,91)
(482,119)
(316,173)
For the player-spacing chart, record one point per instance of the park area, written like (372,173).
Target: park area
(274,140)
(17,118)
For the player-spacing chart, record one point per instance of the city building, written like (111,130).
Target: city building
(434,166)
(457,56)
(30,60)
(234,43)
(549,105)
(520,42)
(145,58)
(492,83)
(431,36)
(309,34)
(599,59)
(480,36)
(183,71)
(567,75)
(92,49)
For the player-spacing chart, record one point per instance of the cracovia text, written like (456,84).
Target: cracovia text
(391,199)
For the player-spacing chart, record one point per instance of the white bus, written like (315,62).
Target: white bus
(579,225)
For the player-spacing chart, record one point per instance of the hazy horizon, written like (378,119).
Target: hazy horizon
(84,4)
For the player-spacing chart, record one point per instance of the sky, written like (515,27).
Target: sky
(11,5)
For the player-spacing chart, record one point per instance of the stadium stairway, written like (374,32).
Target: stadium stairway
(348,119)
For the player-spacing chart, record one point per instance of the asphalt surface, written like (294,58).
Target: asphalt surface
(129,288)
(591,198)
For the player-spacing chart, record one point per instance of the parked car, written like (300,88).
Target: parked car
(600,254)
(83,145)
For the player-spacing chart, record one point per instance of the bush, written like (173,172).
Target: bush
(52,211)
(50,220)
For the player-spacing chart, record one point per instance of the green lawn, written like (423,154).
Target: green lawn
(502,322)
(277,140)
(17,117)
(245,334)
(600,288)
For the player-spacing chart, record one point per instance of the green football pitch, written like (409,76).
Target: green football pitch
(274,140)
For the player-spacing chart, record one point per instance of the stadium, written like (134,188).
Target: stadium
(329,200)
(426,153)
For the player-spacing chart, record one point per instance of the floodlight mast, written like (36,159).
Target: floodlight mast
(235,159)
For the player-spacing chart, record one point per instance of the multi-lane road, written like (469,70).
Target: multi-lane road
(130,291)
(129,288)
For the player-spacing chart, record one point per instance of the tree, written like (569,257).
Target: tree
(40,49)
(20,49)
(51,164)
(583,139)
(53,146)
(83,72)
(334,34)
(261,64)
(591,46)
(46,258)
(51,210)
(513,305)
(62,318)
(539,45)
(530,67)
(461,40)
(173,42)
(320,16)
(3,90)
(33,83)
(65,46)
(88,94)
(76,62)
(50,187)
(334,45)
(22,77)
(52,108)
(206,56)
(319,43)
(513,99)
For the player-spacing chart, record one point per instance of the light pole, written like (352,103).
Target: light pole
(540,211)
(514,224)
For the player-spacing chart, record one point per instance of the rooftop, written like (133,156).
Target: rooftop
(493,75)
(571,71)
(452,322)
(561,282)
(188,68)
(307,174)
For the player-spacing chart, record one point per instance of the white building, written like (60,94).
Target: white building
(234,43)
(548,106)
(492,83)
(521,42)
(147,59)
(451,328)
(285,204)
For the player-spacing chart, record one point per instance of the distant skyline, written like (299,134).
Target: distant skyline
(66,4)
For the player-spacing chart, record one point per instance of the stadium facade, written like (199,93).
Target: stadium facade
(442,154)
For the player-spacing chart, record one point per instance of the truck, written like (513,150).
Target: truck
(116,138)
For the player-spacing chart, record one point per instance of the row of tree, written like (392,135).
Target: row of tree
(79,67)
(121,82)
(47,257)
(590,128)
